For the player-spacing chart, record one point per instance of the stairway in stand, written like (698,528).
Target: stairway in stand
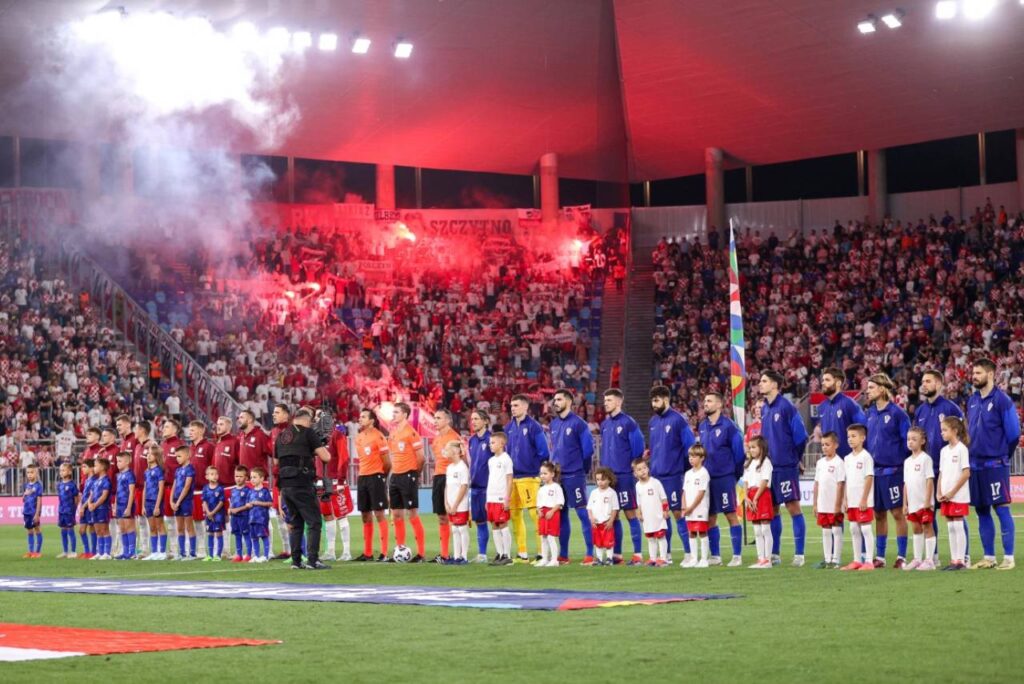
(638,352)
(613,325)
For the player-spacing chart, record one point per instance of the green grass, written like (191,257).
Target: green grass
(796,624)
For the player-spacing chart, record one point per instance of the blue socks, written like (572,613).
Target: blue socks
(181,546)
(736,533)
(209,545)
(881,541)
(64,541)
(987,530)
(482,537)
(1007,529)
(85,541)
(901,546)
(683,533)
(715,541)
(799,533)
(636,532)
(192,546)
(248,546)
(563,535)
(588,533)
(93,540)
(617,529)
(776,528)
(163,543)
(239,551)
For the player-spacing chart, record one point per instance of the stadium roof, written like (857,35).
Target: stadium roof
(621,89)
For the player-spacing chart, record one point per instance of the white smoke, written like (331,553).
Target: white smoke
(175,93)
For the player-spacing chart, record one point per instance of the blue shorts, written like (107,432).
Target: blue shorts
(215,525)
(101,516)
(673,485)
(722,490)
(990,487)
(785,485)
(258,530)
(86,517)
(889,490)
(240,525)
(149,509)
(185,509)
(66,519)
(574,487)
(625,487)
(30,520)
(478,505)
(123,510)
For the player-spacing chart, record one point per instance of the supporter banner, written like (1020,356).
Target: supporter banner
(376,270)
(447,597)
(461,222)
(10,510)
(44,642)
(50,205)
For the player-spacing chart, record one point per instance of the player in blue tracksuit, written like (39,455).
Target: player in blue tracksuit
(887,425)
(31,508)
(994,430)
(838,411)
(621,442)
(67,505)
(928,416)
(783,429)
(528,448)
(572,448)
(670,442)
(723,443)
(479,452)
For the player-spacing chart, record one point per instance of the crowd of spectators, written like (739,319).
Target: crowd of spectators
(899,298)
(61,370)
(391,316)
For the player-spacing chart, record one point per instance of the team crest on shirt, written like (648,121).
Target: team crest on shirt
(718,432)
(860,466)
(887,419)
(618,430)
(917,468)
(989,406)
(401,446)
(839,413)
(831,469)
(776,416)
(668,428)
(524,431)
(941,417)
(650,492)
(568,431)
(366,450)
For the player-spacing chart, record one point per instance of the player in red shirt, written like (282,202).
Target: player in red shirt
(141,432)
(109,450)
(201,452)
(336,510)
(225,458)
(282,419)
(171,433)
(254,446)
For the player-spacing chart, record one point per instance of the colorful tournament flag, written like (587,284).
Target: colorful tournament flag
(737,346)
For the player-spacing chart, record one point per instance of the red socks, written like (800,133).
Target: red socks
(368,539)
(383,538)
(417,529)
(400,531)
(446,536)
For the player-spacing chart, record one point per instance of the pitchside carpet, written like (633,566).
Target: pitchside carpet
(790,622)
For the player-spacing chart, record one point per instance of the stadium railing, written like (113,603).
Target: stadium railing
(202,396)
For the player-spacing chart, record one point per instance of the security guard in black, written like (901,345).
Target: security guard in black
(296,450)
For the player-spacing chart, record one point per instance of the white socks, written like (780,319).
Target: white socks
(201,540)
(503,541)
(919,546)
(856,538)
(115,534)
(460,541)
(837,543)
(826,543)
(282,528)
(331,528)
(957,540)
(929,547)
(346,536)
(869,541)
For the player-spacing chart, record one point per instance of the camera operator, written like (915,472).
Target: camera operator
(296,449)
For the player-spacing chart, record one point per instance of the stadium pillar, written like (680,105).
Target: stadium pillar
(16,149)
(385,186)
(289,180)
(549,187)
(715,189)
(1020,169)
(878,198)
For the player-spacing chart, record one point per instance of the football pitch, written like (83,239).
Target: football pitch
(789,624)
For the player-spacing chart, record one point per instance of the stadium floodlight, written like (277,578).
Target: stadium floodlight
(893,19)
(328,41)
(867,26)
(978,9)
(946,9)
(302,40)
(278,37)
(403,49)
(361,45)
